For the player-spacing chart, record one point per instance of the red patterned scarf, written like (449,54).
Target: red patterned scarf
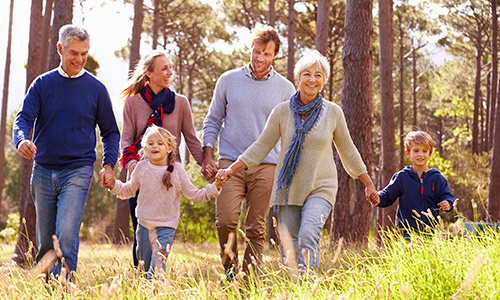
(162,103)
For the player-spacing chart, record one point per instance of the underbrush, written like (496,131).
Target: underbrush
(429,267)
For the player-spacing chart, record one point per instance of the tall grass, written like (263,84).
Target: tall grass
(435,267)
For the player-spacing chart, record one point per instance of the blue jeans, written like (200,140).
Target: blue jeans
(153,247)
(304,224)
(59,197)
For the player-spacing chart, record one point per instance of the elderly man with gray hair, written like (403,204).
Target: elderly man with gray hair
(63,107)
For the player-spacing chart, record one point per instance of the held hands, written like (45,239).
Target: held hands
(107,177)
(209,167)
(27,149)
(223,175)
(444,205)
(372,196)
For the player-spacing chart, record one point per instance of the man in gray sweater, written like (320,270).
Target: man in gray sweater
(242,101)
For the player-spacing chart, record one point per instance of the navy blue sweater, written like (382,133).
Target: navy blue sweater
(64,113)
(416,195)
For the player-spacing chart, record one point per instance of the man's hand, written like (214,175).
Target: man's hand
(27,149)
(209,167)
(107,177)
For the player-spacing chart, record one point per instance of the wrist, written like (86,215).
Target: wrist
(109,165)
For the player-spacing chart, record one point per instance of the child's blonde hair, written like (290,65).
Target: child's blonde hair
(169,140)
(418,138)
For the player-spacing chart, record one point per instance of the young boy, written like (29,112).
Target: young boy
(418,187)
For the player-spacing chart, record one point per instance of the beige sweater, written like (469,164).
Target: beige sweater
(157,206)
(136,113)
(316,174)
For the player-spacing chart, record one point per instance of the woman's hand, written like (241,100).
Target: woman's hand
(370,192)
(225,174)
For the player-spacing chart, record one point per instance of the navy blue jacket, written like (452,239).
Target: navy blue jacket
(64,113)
(416,195)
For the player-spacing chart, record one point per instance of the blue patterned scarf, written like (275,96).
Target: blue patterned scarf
(293,155)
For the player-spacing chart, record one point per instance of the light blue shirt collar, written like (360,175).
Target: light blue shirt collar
(249,73)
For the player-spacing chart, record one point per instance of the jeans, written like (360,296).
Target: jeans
(153,247)
(59,197)
(132,204)
(304,225)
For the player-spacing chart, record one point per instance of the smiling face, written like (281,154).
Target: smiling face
(419,155)
(161,75)
(73,56)
(310,82)
(157,150)
(262,58)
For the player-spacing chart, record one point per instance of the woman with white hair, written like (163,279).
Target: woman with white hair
(306,175)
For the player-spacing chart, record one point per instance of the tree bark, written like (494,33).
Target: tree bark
(494,70)
(385,216)
(136,34)
(322,26)
(352,212)
(401,94)
(477,103)
(5,99)
(47,17)
(414,90)
(156,23)
(493,194)
(291,41)
(63,14)
(121,232)
(25,250)
(272,13)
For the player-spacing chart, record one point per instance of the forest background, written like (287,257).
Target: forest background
(405,85)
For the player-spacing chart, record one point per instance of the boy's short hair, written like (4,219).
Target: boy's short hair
(418,138)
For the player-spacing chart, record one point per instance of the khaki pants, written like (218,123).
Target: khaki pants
(256,186)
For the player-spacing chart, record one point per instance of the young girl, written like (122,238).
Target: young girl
(161,181)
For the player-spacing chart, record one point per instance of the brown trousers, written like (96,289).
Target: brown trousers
(255,186)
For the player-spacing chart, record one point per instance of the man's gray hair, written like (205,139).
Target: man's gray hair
(308,60)
(72,32)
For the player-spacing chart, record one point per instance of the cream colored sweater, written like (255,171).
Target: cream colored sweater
(316,175)
(157,206)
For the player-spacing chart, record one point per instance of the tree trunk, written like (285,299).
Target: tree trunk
(322,26)
(156,23)
(5,98)
(493,194)
(291,40)
(477,102)
(486,135)
(272,13)
(385,216)
(47,17)
(63,14)
(401,94)
(414,91)
(25,250)
(352,212)
(494,70)
(121,232)
(136,34)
